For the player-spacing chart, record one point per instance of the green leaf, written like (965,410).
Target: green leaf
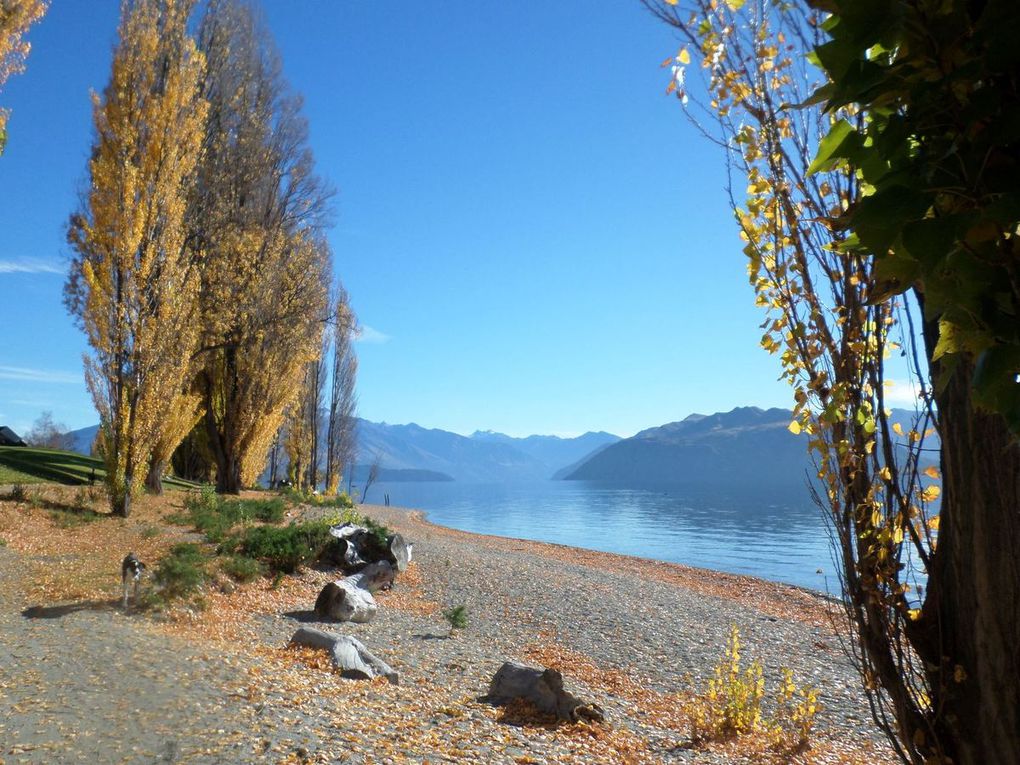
(929,240)
(831,147)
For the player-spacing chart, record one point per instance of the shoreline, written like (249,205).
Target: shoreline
(766,594)
(217,682)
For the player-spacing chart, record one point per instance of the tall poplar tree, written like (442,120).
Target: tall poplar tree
(341,433)
(257,217)
(133,287)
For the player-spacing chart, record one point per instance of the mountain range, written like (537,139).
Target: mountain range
(483,456)
(413,453)
(746,445)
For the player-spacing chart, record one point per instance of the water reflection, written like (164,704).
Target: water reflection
(770,533)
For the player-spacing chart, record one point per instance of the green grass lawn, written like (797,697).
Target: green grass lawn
(19,464)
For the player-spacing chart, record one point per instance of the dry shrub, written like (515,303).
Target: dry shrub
(733,705)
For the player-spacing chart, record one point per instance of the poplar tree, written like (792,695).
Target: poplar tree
(16,16)
(343,401)
(132,285)
(257,217)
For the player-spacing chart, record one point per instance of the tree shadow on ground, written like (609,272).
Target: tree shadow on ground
(306,617)
(58,612)
(430,636)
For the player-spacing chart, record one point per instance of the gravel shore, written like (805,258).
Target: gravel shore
(634,636)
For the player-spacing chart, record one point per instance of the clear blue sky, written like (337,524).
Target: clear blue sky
(534,237)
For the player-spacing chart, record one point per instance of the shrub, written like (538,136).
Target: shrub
(340,501)
(241,568)
(380,534)
(3,542)
(732,704)
(19,493)
(457,616)
(283,549)
(70,519)
(82,498)
(797,709)
(182,572)
(216,517)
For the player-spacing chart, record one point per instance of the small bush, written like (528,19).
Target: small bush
(3,542)
(216,517)
(151,531)
(19,493)
(457,617)
(340,501)
(182,572)
(71,519)
(283,549)
(732,704)
(381,534)
(82,498)
(242,569)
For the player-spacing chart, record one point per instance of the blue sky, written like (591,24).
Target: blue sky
(533,236)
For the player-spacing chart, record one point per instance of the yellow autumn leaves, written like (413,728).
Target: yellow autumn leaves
(16,16)
(132,284)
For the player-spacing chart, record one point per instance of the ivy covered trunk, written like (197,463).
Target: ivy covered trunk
(970,628)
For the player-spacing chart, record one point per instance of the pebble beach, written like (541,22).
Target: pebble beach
(220,685)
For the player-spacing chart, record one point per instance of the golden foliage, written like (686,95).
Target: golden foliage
(133,285)
(732,705)
(16,16)
(829,319)
(265,267)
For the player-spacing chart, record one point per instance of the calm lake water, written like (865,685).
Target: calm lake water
(772,534)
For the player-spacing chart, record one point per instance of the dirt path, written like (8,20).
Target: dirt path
(83,683)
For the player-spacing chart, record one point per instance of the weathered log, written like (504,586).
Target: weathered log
(357,547)
(349,655)
(346,601)
(400,552)
(544,689)
(374,577)
(349,548)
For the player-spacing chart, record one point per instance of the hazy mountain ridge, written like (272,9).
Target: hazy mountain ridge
(554,452)
(748,445)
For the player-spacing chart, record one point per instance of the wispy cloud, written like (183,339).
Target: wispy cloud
(900,393)
(30,266)
(25,374)
(367,334)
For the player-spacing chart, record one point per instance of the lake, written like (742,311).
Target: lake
(773,534)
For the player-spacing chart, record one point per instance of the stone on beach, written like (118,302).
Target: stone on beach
(544,689)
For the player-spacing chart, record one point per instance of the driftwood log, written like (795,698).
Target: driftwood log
(400,552)
(349,655)
(544,689)
(351,599)
(357,547)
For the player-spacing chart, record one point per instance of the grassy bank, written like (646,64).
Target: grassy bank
(27,465)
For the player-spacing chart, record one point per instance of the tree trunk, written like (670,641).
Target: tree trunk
(154,478)
(122,505)
(228,476)
(971,621)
